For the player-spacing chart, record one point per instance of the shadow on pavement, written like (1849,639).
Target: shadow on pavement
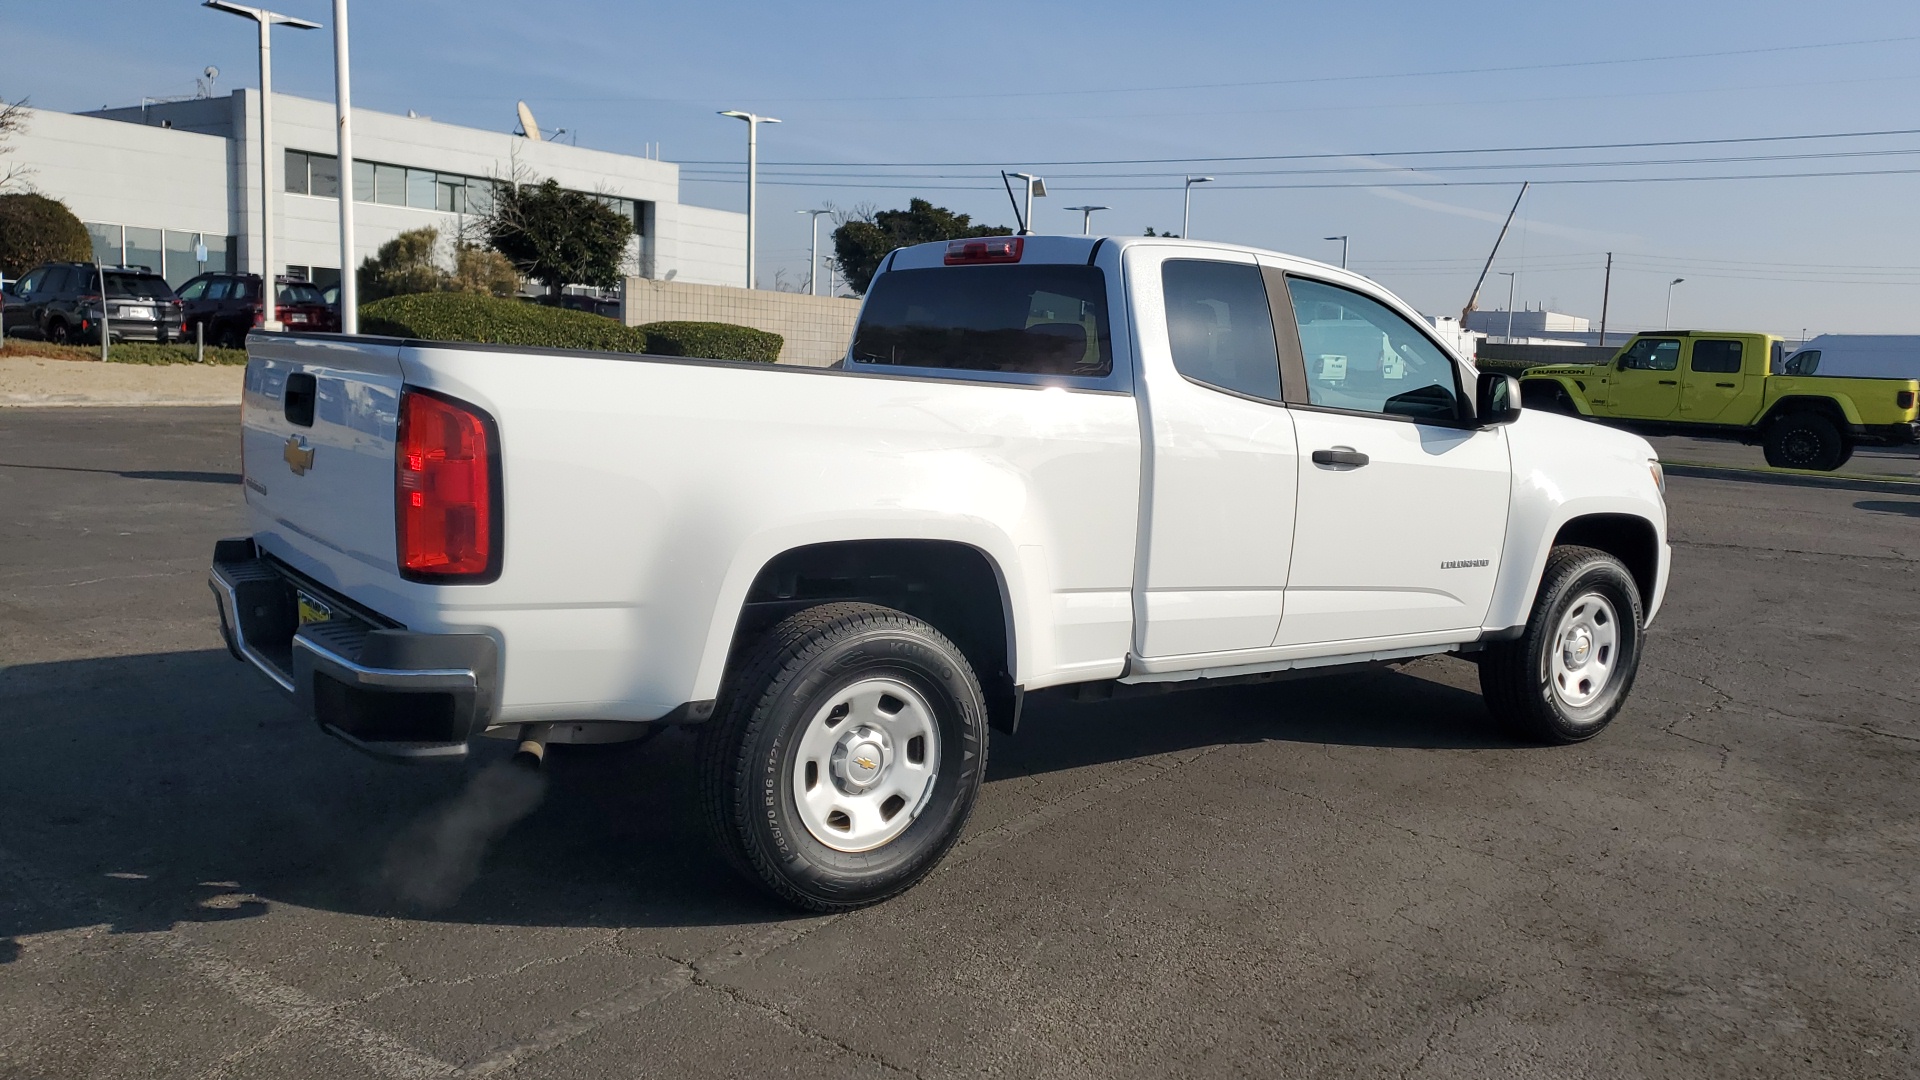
(1882,506)
(178,787)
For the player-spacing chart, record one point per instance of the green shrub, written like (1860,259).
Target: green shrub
(712,341)
(35,229)
(128,352)
(486,319)
(1506,367)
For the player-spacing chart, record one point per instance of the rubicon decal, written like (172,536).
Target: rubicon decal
(1458,564)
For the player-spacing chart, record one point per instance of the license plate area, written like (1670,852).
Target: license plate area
(311,608)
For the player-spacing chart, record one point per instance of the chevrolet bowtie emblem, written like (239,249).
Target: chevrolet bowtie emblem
(298,455)
(865,763)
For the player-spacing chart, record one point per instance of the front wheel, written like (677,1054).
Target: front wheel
(1568,675)
(846,755)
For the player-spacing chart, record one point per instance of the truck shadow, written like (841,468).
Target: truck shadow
(154,790)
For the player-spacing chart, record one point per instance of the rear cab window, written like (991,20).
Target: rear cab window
(1716,356)
(1047,320)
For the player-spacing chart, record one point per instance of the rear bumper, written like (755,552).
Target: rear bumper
(384,690)
(1901,434)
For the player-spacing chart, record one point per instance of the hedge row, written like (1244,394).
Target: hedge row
(122,352)
(712,341)
(470,317)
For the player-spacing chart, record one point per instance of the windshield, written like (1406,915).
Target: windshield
(137,287)
(1037,319)
(300,293)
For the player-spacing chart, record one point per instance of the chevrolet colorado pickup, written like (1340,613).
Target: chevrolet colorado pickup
(1110,465)
(1732,385)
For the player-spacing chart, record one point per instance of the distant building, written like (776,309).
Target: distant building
(1539,327)
(175,186)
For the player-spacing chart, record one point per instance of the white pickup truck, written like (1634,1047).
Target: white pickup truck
(1046,462)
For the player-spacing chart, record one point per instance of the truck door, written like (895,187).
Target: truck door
(1221,456)
(1403,501)
(1646,380)
(1712,378)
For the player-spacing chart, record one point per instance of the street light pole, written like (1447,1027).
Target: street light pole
(1343,249)
(343,118)
(1668,324)
(753,174)
(1186,201)
(1036,188)
(269,292)
(813,252)
(1086,217)
(1512,276)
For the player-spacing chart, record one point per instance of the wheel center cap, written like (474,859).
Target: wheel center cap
(860,758)
(1576,648)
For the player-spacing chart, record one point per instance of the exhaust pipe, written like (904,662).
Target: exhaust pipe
(533,746)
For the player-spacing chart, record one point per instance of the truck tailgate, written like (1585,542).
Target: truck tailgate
(319,420)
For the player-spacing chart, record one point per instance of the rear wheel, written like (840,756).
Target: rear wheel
(58,334)
(846,755)
(230,338)
(1806,440)
(1568,675)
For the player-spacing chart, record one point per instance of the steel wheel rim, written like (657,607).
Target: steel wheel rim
(866,764)
(1586,651)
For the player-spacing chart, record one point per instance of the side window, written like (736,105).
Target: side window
(1804,362)
(1651,354)
(1716,357)
(194,289)
(1363,356)
(219,289)
(1221,326)
(29,283)
(242,290)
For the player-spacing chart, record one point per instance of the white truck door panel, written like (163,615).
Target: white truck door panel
(1408,543)
(1221,461)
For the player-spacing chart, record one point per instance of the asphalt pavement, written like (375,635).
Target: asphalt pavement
(1352,876)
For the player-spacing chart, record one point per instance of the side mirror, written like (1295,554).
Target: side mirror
(1496,399)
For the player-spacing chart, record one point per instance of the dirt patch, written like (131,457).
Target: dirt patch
(40,381)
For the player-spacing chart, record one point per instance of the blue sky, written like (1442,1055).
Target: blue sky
(991,85)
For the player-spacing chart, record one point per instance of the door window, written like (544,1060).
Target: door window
(1651,354)
(1221,326)
(194,289)
(29,283)
(1804,362)
(1362,356)
(219,289)
(1716,357)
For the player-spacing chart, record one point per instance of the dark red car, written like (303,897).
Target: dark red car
(229,305)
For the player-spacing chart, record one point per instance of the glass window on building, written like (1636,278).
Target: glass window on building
(145,248)
(297,172)
(108,246)
(181,264)
(323,175)
(390,185)
(324,277)
(220,251)
(363,181)
(420,185)
(451,194)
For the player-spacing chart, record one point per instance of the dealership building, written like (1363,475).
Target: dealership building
(175,186)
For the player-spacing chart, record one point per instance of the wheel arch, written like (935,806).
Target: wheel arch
(1535,391)
(959,588)
(1628,537)
(1834,409)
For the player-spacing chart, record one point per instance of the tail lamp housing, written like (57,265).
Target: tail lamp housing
(984,249)
(447,491)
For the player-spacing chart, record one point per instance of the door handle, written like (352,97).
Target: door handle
(1340,457)
(1669,382)
(1724,385)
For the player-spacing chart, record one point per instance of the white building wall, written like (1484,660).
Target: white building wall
(701,246)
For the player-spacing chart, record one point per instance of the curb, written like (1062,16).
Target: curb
(1841,481)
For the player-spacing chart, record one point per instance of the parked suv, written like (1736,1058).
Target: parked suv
(61,302)
(229,305)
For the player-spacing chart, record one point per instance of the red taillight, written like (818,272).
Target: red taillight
(259,316)
(1904,399)
(445,515)
(985,249)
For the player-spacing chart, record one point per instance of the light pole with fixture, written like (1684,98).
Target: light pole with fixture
(1343,249)
(343,114)
(1668,325)
(1086,217)
(1512,276)
(813,252)
(1036,189)
(1186,201)
(269,291)
(753,173)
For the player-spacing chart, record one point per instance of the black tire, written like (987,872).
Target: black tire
(1517,677)
(750,748)
(230,338)
(1551,399)
(58,334)
(1805,440)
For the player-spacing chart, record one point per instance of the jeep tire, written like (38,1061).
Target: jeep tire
(1806,440)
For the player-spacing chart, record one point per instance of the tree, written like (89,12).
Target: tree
(555,236)
(860,243)
(404,264)
(482,270)
(13,119)
(35,229)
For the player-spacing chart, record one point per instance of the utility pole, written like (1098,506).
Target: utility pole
(343,109)
(813,252)
(1606,293)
